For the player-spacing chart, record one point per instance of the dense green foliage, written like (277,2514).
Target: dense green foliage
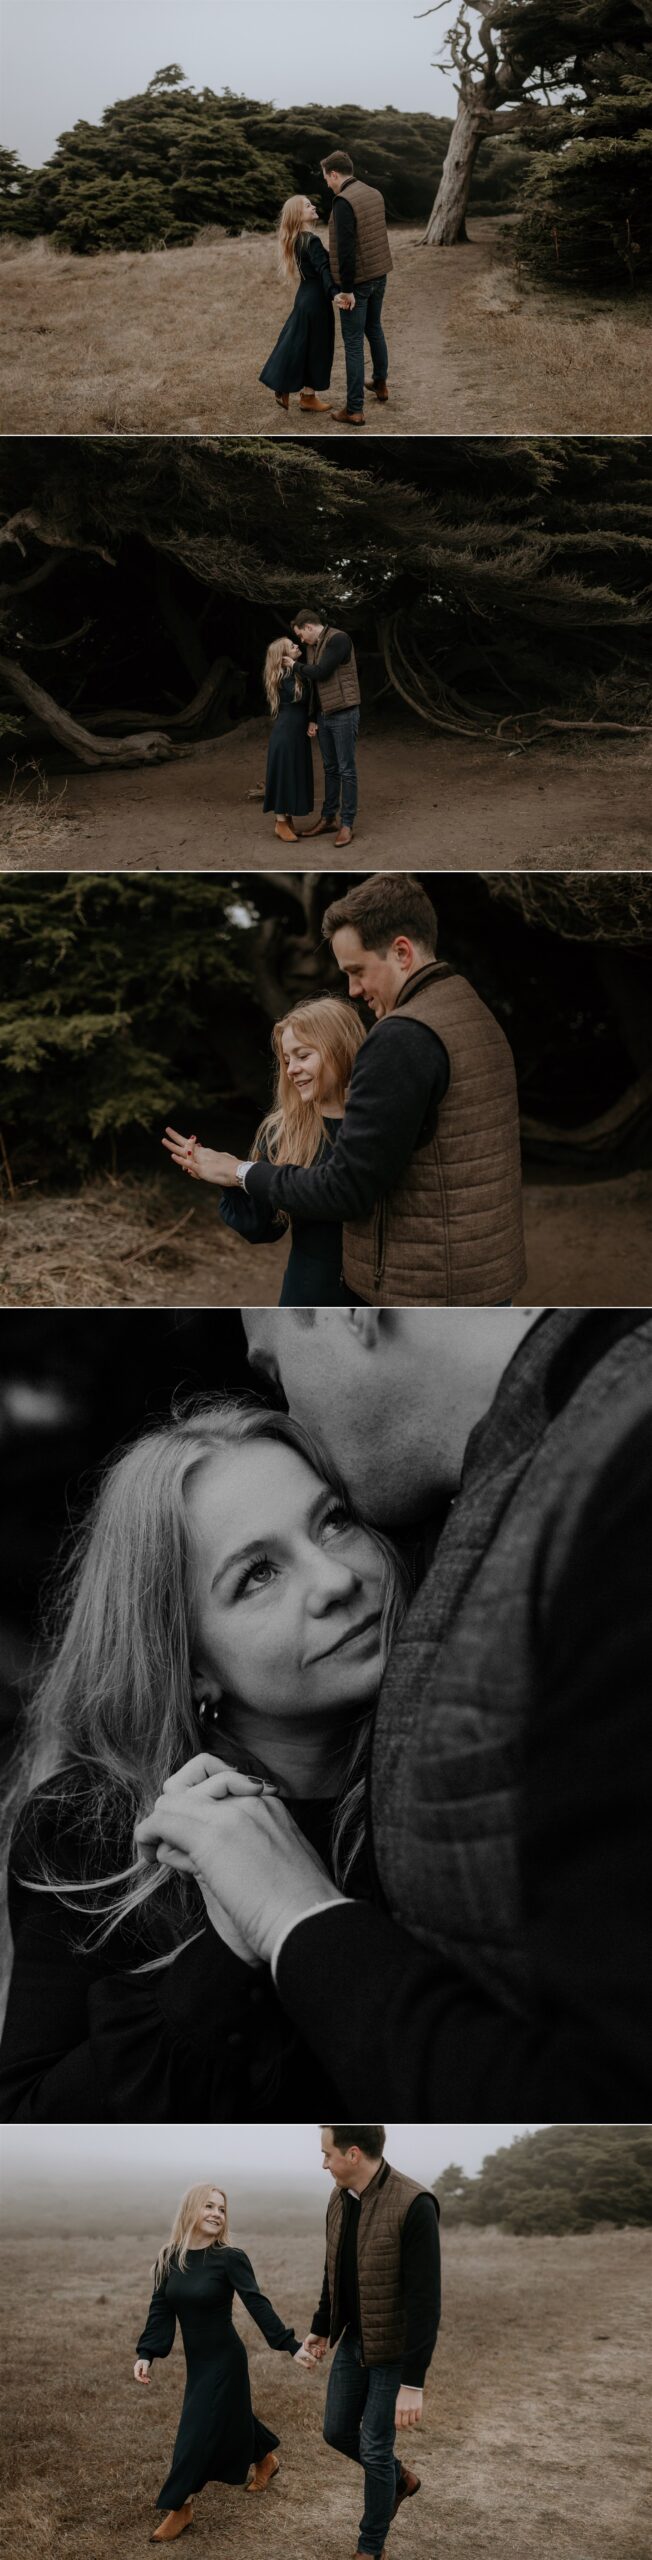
(166,164)
(113,1003)
(587,204)
(567,2177)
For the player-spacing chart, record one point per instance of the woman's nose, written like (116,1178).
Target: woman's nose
(332,1579)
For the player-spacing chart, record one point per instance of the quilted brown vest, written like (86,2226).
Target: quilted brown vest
(452,1232)
(373,256)
(341,691)
(383,2208)
(448,1741)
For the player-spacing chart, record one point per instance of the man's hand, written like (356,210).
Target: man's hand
(312,729)
(344,301)
(305,2358)
(409,2406)
(257,1874)
(316,2346)
(204,1163)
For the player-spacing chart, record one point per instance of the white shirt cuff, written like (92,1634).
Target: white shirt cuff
(243,1169)
(311,1914)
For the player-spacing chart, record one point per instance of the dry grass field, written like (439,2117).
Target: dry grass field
(535,2442)
(425,801)
(130,1244)
(172,344)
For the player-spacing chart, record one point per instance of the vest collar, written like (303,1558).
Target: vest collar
(427,976)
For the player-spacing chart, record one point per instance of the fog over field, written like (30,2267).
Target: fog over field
(107,2177)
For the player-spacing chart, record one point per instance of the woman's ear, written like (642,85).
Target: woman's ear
(206,1691)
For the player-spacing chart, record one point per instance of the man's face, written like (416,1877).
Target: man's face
(377,976)
(341,2165)
(390,1394)
(310,632)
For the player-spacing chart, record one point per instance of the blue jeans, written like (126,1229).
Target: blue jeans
(364,322)
(338,731)
(359,2420)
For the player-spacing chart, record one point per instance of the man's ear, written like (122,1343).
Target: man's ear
(366,1323)
(404,953)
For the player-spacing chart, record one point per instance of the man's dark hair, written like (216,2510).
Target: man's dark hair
(338,160)
(308,614)
(382,907)
(369,2138)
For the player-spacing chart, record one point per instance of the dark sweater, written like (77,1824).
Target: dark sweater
(399,1078)
(403,2025)
(420,2282)
(346,232)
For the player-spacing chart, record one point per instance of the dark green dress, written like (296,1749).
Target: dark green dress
(218,2437)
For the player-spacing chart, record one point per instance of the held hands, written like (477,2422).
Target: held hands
(142,2370)
(257,1874)
(305,2356)
(204,1163)
(315,2346)
(312,729)
(409,2406)
(344,301)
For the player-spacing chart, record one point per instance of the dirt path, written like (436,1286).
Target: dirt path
(173,343)
(587,1244)
(425,802)
(534,2439)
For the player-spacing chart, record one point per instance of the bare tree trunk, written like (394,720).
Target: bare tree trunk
(154,748)
(448,218)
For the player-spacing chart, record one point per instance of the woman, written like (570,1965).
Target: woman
(195,2278)
(289,783)
(222,1595)
(314,1047)
(302,359)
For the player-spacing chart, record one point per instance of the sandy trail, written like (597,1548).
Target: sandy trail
(425,802)
(173,343)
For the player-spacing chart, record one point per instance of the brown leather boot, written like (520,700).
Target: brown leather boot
(287,833)
(282,399)
(345,837)
(379,389)
(311,400)
(407,2488)
(324,827)
(264,2472)
(173,2523)
(350,417)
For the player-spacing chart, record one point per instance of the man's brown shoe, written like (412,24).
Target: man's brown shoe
(324,827)
(345,837)
(312,401)
(407,2488)
(173,2523)
(264,2472)
(349,417)
(379,389)
(287,834)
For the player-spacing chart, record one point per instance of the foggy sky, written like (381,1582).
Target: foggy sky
(65,59)
(279,2152)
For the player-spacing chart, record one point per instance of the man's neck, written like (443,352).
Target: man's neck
(364,2176)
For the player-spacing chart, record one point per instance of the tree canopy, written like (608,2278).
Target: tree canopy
(565,2178)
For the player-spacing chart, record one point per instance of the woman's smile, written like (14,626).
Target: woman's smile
(367,1629)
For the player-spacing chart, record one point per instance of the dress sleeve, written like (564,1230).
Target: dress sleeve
(157,2337)
(258,2306)
(50,2068)
(319,261)
(250,1218)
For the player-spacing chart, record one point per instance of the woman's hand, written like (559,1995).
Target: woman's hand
(204,1163)
(304,2358)
(142,2370)
(257,1874)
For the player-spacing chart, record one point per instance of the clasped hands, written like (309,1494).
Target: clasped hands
(257,1875)
(344,301)
(205,1164)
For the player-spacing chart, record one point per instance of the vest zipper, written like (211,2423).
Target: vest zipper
(380,1241)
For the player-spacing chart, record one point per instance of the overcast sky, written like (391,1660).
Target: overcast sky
(62,59)
(69,2153)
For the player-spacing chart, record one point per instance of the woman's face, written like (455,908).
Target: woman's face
(305,1066)
(288,1589)
(310,213)
(210,2222)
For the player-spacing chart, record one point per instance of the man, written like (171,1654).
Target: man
(425,1171)
(381,2299)
(505,1960)
(331,655)
(360,261)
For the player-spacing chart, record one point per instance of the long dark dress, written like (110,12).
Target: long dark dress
(289,783)
(89,2040)
(313,1274)
(218,2436)
(304,352)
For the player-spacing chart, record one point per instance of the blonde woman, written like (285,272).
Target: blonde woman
(302,359)
(289,781)
(196,2276)
(314,1048)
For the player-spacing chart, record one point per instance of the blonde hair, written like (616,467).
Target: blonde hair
(116,1700)
(291,225)
(293,1132)
(273,672)
(187,2215)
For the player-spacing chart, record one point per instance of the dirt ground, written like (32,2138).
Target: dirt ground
(173,342)
(425,800)
(535,2439)
(129,1245)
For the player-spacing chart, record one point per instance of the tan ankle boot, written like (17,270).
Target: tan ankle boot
(173,2523)
(287,833)
(311,400)
(264,2472)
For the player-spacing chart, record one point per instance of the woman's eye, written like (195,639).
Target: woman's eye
(255,1576)
(337,1518)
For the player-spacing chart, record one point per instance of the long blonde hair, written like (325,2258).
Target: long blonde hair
(292,224)
(294,1131)
(274,670)
(116,1700)
(187,2215)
